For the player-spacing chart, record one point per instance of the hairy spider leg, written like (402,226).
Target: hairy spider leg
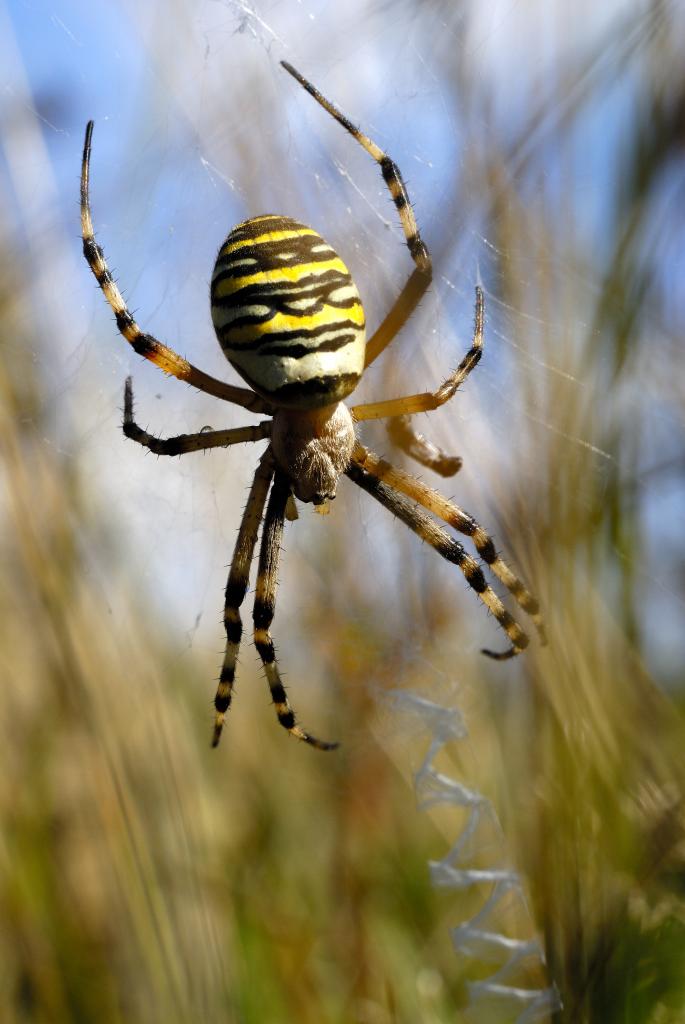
(449,548)
(264,607)
(391,176)
(145,344)
(415,287)
(400,428)
(429,400)
(236,587)
(456,517)
(182,443)
(417,446)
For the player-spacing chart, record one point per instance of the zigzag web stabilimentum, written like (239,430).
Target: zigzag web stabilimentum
(506,994)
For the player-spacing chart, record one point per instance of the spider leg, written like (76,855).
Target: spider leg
(144,344)
(404,436)
(417,284)
(264,607)
(236,587)
(449,548)
(429,400)
(456,517)
(183,443)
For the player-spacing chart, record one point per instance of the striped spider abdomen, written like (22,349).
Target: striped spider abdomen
(287,313)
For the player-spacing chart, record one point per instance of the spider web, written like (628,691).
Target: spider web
(508,992)
(206,130)
(177,183)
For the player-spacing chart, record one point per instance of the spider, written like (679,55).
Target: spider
(290,321)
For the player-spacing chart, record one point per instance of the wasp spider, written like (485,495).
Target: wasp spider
(290,321)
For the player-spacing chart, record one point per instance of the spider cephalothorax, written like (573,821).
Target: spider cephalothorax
(290,321)
(313,448)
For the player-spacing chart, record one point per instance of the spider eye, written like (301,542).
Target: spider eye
(321,499)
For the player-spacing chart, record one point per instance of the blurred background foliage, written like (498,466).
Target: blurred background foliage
(144,877)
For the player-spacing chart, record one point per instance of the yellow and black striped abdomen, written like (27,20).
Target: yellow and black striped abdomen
(287,313)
